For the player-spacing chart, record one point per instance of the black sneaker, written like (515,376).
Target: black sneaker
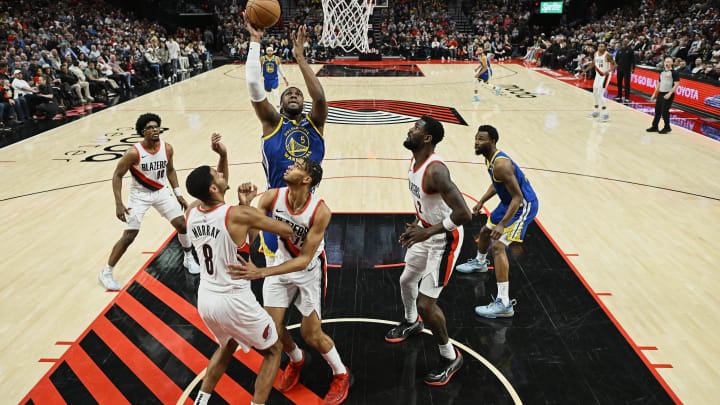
(444,371)
(665,130)
(652,129)
(404,330)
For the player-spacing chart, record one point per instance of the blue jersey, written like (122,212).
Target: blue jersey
(485,77)
(288,142)
(270,72)
(501,189)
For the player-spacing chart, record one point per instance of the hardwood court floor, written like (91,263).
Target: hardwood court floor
(639,210)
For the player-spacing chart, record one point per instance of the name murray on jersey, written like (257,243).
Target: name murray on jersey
(205,230)
(150,166)
(414,189)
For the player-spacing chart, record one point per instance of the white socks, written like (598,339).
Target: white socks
(448,351)
(481,257)
(503,292)
(253,403)
(296,355)
(409,294)
(333,359)
(202,398)
(108,269)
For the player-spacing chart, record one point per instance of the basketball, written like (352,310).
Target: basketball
(263,13)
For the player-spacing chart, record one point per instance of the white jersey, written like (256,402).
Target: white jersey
(602,66)
(299,221)
(430,207)
(149,171)
(215,248)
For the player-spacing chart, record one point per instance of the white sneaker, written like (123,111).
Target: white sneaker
(191,265)
(604,118)
(107,280)
(593,115)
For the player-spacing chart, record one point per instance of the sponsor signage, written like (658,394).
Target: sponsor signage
(551,7)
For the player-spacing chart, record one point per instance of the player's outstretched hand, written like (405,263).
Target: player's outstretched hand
(298,40)
(413,234)
(246,193)
(121,211)
(246,270)
(217,146)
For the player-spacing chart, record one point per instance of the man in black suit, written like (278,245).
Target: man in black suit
(625,59)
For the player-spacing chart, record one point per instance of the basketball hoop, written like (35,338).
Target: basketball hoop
(346,24)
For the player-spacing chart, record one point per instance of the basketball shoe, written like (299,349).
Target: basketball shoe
(339,388)
(107,280)
(291,375)
(496,309)
(445,369)
(594,114)
(404,330)
(604,118)
(473,266)
(190,264)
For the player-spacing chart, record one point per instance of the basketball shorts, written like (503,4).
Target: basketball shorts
(601,82)
(485,77)
(269,243)
(140,201)
(237,315)
(271,84)
(433,260)
(515,232)
(308,284)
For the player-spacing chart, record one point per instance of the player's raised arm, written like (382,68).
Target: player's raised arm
(319,111)
(220,148)
(269,117)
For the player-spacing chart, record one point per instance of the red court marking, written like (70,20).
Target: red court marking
(380,266)
(178,346)
(300,394)
(48,360)
(7,161)
(647,348)
(90,375)
(154,378)
(612,318)
(334,265)
(45,392)
(571,254)
(64,343)
(662,366)
(87,330)
(603,294)
(148,253)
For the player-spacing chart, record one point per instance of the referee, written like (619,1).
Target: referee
(665,93)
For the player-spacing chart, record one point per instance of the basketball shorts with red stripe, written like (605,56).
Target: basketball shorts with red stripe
(236,314)
(141,200)
(308,284)
(433,260)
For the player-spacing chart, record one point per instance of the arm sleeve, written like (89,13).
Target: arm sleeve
(280,70)
(253,75)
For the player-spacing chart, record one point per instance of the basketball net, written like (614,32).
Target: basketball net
(346,24)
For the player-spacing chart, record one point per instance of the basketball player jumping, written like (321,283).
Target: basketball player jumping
(150,162)
(506,224)
(290,134)
(434,241)
(604,65)
(483,73)
(300,269)
(228,307)
(272,69)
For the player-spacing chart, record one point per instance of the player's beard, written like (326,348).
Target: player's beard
(411,144)
(292,111)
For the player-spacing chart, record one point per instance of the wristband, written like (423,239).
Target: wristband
(178,192)
(448,224)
